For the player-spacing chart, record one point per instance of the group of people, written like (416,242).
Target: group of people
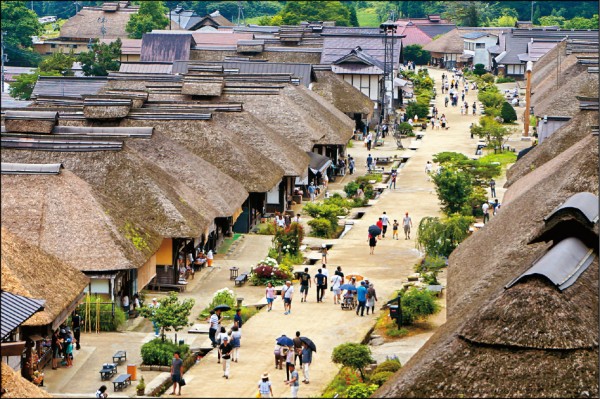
(63,341)
(228,343)
(383,223)
(286,220)
(436,122)
(288,353)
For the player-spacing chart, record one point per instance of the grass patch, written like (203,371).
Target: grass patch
(340,383)
(388,328)
(228,242)
(252,21)
(367,17)
(504,158)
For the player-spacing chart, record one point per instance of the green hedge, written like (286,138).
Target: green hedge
(108,322)
(388,366)
(380,378)
(505,79)
(159,352)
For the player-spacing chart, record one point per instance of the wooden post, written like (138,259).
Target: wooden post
(527,99)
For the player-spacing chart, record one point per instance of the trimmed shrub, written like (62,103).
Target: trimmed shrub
(159,352)
(415,108)
(355,356)
(321,227)
(417,304)
(479,69)
(390,366)
(505,79)
(380,378)
(361,390)
(488,78)
(507,112)
(351,188)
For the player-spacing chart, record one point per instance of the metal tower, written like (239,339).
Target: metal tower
(388,28)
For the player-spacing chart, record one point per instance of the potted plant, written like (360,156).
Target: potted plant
(141,387)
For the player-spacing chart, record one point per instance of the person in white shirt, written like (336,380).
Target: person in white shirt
(336,281)
(486,212)
(296,218)
(326,273)
(385,221)
(287,292)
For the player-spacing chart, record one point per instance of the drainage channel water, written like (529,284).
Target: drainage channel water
(348,226)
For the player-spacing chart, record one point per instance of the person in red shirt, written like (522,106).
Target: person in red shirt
(380,224)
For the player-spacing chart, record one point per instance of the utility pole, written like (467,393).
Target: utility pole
(240,14)
(527,99)
(4,59)
(102,20)
(532,3)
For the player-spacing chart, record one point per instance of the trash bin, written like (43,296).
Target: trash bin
(181,342)
(132,369)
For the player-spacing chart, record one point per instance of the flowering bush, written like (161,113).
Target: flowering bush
(224,296)
(268,270)
(287,240)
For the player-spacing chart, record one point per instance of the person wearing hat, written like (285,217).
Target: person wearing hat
(225,352)
(154,305)
(264,387)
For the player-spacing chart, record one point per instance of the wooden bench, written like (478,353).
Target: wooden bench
(119,356)
(384,160)
(121,382)
(241,279)
(179,287)
(108,370)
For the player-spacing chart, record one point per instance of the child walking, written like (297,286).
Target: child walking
(395,230)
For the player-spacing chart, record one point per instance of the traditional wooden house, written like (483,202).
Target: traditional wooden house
(447,49)
(43,276)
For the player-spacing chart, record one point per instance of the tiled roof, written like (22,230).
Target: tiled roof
(15,309)
(166,47)
(414,35)
(435,30)
(335,47)
(219,38)
(475,35)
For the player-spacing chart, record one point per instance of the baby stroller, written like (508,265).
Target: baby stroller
(348,302)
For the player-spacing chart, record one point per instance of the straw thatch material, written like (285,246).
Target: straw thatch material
(106,111)
(562,101)
(64,217)
(565,137)
(217,54)
(338,126)
(535,314)
(449,43)
(211,141)
(137,97)
(30,121)
(342,94)
(449,366)
(85,24)
(203,87)
(266,140)
(29,271)
(545,68)
(18,387)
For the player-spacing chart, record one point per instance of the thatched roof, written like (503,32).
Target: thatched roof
(18,387)
(85,24)
(563,138)
(545,67)
(65,217)
(338,126)
(27,271)
(342,94)
(211,141)
(481,365)
(574,81)
(449,43)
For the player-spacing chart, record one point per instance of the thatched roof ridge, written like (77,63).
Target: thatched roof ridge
(450,43)
(206,181)
(535,314)
(18,387)
(64,217)
(562,101)
(26,271)
(545,67)
(266,140)
(565,137)
(341,94)
(338,126)
(85,24)
(449,366)
(211,141)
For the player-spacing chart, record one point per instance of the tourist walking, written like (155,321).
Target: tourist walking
(214,322)
(351,164)
(336,281)
(369,141)
(270,295)
(428,167)
(236,343)
(305,284)
(486,212)
(225,352)
(76,325)
(369,163)
(395,229)
(312,191)
(406,224)
(393,179)
(293,382)
(321,283)
(264,387)
(361,297)
(237,319)
(278,357)
(493,187)
(289,360)
(371,297)
(287,292)
(176,372)
(325,272)
(384,221)
(221,335)
(306,361)
(372,243)
(101,392)
(297,348)
(324,254)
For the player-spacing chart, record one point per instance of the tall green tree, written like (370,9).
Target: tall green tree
(20,24)
(494,133)
(453,188)
(470,13)
(58,62)
(101,59)
(355,356)
(352,9)
(415,52)
(295,12)
(151,15)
